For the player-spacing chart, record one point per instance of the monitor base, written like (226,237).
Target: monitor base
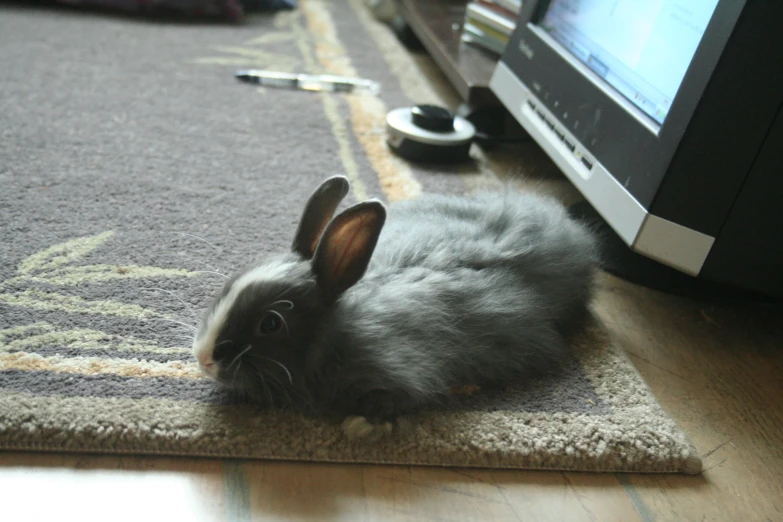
(620,261)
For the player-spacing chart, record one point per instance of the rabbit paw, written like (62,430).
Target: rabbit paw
(358,427)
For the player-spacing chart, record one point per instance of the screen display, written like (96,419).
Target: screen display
(642,48)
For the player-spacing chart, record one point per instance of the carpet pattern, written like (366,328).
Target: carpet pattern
(134,172)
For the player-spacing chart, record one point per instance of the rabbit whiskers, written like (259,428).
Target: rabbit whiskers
(235,359)
(193,328)
(187,305)
(224,276)
(265,374)
(262,378)
(279,386)
(283,366)
(200,239)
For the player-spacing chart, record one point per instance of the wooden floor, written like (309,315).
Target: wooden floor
(716,369)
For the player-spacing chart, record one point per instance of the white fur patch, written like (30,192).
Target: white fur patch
(204,346)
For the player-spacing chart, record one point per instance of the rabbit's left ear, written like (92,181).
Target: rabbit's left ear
(346,247)
(318,211)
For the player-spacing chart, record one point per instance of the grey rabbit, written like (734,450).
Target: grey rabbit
(377,316)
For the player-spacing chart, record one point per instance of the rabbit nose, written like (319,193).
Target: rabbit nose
(205,361)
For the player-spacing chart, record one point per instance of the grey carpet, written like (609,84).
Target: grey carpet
(133,167)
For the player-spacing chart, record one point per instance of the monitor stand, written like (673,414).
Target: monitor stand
(619,260)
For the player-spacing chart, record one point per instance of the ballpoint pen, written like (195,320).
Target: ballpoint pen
(307,82)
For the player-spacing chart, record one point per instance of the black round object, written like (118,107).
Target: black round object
(425,152)
(433,118)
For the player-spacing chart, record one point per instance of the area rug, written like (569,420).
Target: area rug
(135,171)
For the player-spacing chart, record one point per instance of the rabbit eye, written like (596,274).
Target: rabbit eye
(270,324)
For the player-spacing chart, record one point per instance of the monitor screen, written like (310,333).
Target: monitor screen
(642,48)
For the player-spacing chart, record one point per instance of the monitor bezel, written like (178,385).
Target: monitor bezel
(629,144)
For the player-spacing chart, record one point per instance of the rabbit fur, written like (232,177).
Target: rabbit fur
(377,312)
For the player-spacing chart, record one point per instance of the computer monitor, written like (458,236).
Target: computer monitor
(666,115)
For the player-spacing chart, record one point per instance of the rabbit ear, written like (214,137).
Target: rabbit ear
(346,247)
(317,213)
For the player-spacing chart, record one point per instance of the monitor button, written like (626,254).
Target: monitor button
(560,134)
(570,146)
(587,163)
